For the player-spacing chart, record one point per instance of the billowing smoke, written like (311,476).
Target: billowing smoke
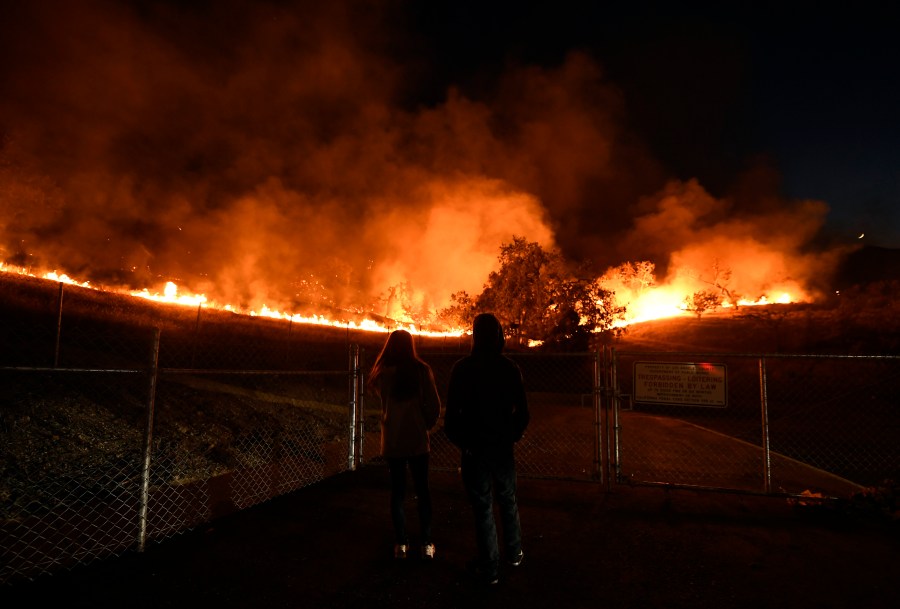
(705,244)
(274,153)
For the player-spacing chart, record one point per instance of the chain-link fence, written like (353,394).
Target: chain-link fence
(778,424)
(562,438)
(110,438)
(124,427)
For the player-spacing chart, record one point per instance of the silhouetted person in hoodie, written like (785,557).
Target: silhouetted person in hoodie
(486,414)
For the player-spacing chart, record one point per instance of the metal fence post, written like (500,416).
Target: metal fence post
(609,388)
(615,458)
(59,310)
(361,411)
(287,349)
(764,411)
(148,442)
(352,447)
(598,423)
(196,338)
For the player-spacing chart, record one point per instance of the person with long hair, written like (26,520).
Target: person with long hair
(410,408)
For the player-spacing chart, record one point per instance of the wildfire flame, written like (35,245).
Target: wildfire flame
(657,302)
(670,300)
(171,295)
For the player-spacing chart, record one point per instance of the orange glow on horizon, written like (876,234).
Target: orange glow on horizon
(652,303)
(171,295)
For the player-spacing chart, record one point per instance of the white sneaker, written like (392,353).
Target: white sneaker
(517,560)
(428,551)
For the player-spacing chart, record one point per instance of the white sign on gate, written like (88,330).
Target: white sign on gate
(688,384)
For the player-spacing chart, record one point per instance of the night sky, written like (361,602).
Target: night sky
(269,150)
(718,90)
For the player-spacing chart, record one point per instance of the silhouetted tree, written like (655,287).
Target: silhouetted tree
(635,276)
(461,313)
(721,275)
(539,297)
(701,302)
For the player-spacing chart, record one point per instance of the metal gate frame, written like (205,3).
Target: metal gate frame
(615,401)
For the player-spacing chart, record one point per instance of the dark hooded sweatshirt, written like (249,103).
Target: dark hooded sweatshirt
(487,411)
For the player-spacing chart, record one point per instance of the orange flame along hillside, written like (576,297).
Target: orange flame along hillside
(646,304)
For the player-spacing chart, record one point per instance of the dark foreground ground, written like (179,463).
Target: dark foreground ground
(329,545)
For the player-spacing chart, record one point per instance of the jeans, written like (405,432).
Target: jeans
(418,466)
(486,477)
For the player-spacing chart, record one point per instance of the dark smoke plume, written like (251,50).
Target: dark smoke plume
(274,153)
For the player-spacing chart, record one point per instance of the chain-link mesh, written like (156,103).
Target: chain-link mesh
(73,449)
(561,438)
(76,395)
(790,424)
(204,338)
(71,461)
(834,415)
(257,435)
(245,409)
(31,340)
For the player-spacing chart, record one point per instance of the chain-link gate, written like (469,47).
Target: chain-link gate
(562,440)
(775,424)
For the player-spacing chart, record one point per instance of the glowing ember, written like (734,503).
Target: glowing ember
(367,324)
(170,294)
(763,300)
(65,279)
(51,275)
